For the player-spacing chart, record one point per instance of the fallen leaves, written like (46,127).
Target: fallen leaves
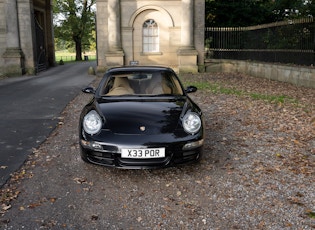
(5,207)
(295,200)
(80,180)
(40,202)
(11,191)
(60,121)
(7,195)
(299,163)
(34,205)
(167,208)
(94,217)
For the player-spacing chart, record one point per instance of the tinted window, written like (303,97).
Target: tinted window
(142,83)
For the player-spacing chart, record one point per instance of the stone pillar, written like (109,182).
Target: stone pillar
(13,56)
(187,54)
(50,34)
(114,39)
(187,21)
(115,54)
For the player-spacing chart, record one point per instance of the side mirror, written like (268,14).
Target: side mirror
(89,90)
(191,89)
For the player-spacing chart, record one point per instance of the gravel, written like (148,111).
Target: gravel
(257,171)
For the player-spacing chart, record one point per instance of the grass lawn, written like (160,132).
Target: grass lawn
(69,57)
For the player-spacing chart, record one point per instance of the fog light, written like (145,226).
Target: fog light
(193,145)
(96,145)
(93,145)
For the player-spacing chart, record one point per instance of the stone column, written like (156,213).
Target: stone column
(114,39)
(187,21)
(50,34)
(187,54)
(13,56)
(115,55)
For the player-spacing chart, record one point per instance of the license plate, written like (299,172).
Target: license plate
(143,153)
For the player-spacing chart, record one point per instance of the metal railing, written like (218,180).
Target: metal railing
(290,42)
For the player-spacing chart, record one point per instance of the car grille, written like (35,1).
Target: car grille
(157,162)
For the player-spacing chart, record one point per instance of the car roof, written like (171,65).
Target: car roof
(139,68)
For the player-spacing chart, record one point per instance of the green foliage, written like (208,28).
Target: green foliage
(234,13)
(74,23)
(291,9)
(310,214)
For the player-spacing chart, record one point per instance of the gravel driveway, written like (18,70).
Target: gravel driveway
(257,171)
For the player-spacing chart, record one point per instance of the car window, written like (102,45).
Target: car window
(142,84)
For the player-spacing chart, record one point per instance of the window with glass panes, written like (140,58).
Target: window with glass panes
(150,36)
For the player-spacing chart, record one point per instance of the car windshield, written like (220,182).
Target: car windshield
(142,84)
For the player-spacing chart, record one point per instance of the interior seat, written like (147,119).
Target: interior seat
(121,86)
(159,85)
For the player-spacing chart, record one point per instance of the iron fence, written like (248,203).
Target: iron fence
(71,58)
(290,42)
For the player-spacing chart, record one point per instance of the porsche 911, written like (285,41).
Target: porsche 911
(141,117)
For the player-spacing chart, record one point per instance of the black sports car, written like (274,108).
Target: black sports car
(141,117)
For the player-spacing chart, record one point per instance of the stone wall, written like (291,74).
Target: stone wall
(297,75)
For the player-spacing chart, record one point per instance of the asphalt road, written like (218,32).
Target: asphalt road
(30,108)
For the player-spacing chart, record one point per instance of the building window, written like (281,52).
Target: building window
(150,37)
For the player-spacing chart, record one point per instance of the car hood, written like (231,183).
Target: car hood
(143,117)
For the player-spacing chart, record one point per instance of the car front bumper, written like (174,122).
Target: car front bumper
(109,154)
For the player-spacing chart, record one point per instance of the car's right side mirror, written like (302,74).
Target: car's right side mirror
(191,89)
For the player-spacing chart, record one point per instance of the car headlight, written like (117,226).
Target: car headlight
(191,123)
(92,122)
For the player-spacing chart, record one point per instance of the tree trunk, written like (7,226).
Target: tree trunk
(78,49)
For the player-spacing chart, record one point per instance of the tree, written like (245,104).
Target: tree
(238,12)
(291,9)
(232,13)
(74,20)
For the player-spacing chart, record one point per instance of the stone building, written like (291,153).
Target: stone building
(26,36)
(154,32)
(151,32)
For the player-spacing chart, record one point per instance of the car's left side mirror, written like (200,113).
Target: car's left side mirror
(191,89)
(89,90)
